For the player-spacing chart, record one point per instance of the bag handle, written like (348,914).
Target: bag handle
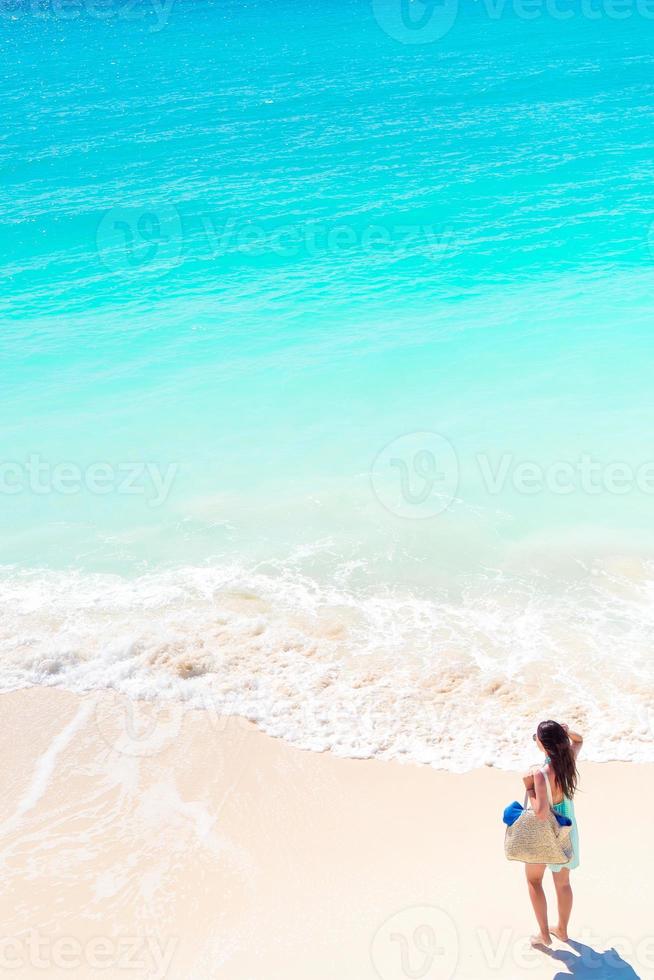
(549,788)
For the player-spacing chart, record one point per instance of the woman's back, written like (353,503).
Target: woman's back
(558,795)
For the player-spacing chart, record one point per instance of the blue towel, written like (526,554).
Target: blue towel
(515,809)
(512,813)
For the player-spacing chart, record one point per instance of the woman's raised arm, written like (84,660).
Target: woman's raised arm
(576,739)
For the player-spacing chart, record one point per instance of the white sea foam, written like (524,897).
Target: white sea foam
(453,682)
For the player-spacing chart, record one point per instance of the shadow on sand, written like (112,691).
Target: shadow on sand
(586,963)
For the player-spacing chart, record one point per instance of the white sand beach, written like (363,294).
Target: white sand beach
(143,842)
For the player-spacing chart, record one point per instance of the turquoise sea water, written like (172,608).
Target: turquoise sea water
(326,358)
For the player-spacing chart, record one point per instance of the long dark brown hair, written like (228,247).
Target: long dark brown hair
(554,739)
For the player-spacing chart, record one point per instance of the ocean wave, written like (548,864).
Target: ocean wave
(453,682)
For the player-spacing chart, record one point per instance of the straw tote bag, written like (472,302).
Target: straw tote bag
(535,841)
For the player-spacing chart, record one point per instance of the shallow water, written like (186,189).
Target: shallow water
(326,354)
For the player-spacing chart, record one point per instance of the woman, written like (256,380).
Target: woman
(561,748)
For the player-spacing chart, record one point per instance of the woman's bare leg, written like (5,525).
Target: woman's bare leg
(535,874)
(564,901)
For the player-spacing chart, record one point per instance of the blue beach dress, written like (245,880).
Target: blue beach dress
(567,808)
